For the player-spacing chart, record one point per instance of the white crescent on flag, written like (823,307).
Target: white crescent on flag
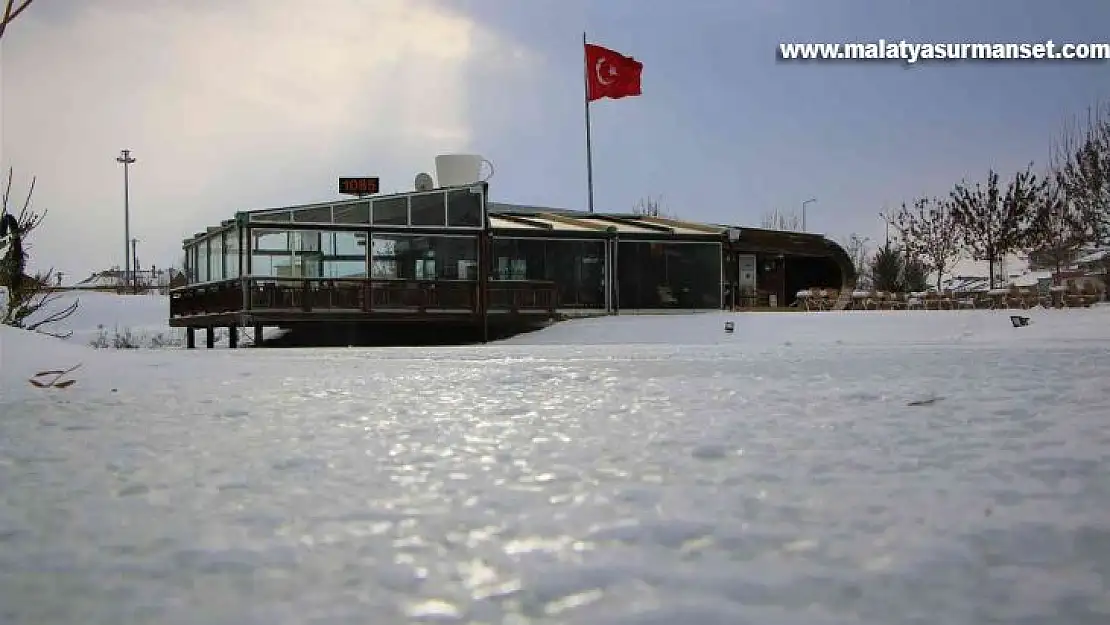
(602,69)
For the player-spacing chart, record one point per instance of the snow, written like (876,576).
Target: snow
(145,317)
(879,467)
(871,329)
(146,314)
(1031,278)
(1093,257)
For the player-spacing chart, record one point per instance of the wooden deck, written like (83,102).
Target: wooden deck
(282,301)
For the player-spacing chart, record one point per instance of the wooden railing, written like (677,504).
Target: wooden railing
(205,299)
(356,295)
(522,295)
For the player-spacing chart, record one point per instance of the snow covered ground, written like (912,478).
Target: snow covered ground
(144,315)
(866,467)
(143,319)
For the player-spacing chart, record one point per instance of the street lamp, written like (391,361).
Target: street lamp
(135,271)
(126,158)
(804,204)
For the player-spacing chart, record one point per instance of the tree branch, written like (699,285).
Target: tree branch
(10,15)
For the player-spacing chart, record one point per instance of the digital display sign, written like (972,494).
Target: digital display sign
(358,186)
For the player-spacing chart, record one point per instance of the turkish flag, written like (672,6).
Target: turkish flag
(611,74)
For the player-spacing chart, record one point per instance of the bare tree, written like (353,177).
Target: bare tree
(781,220)
(993,222)
(649,207)
(1081,165)
(859,252)
(28,297)
(929,234)
(1058,233)
(11,12)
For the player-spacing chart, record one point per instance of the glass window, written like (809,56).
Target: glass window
(215,258)
(202,261)
(464,209)
(270,240)
(231,258)
(350,244)
(457,257)
(191,263)
(306,257)
(383,257)
(428,209)
(669,275)
(578,270)
(265,264)
(289,254)
(315,214)
(305,241)
(391,211)
(277,216)
(344,268)
(351,213)
(576,267)
(344,254)
(409,257)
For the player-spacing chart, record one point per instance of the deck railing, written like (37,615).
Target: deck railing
(356,295)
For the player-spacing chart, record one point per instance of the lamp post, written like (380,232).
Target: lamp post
(804,204)
(126,158)
(135,264)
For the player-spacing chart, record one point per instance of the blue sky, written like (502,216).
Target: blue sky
(262,103)
(725,132)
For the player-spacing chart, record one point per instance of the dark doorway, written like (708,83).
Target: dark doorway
(807,272)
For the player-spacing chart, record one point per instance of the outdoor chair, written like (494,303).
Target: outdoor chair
(1014,298)
(998,298)
(1073,297)
(947,300)
(882,300)
(964,301)
(828,298)
(860,299)
(1031,296)
(1058,295)
(1090,295)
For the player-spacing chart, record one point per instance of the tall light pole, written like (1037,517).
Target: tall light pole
(126,158)
(135,264)
(804,204)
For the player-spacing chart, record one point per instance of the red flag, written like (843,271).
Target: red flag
(610,74)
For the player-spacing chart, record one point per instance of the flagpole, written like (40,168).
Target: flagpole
(589,145)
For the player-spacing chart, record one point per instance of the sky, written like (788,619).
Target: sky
(259,103)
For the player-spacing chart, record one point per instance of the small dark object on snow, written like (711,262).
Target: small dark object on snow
(1019,321)
(56,382)
(729,327)
(925,402)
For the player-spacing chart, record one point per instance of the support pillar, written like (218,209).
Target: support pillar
(257,335)
(210,337)
(190,337)
(233,337)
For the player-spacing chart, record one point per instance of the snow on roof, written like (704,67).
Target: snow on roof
(1031,278)
(1093,257)
(112,278)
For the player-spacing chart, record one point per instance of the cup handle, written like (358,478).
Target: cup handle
(486,161)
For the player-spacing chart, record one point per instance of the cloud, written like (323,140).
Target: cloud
(229,105)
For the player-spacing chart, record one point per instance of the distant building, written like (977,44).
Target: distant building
(112,280)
